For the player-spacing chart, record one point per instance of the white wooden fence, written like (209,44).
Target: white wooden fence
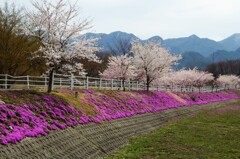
(77,82)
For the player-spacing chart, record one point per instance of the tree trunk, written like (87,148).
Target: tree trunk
(50,81)
(123,82)
(148,86)
(148,83)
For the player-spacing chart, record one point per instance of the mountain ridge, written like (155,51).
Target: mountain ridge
(196,51)
(204,46)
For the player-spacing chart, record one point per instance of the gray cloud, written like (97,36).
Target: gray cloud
(215,19)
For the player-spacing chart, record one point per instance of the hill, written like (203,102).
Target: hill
(192,43)
(193,59)
(231,43)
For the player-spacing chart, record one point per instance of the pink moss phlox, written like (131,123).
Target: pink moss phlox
(45,113)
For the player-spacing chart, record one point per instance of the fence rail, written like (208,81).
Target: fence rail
(78,82)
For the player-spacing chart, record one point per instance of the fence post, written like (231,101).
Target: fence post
(100,84)
(129,83)
(27,81)
(45,81)
(137,85)
(72,82)
(121,84)
(145,86)
(6,83)
(112,84)
(87,83)
(60,83)
(52,81)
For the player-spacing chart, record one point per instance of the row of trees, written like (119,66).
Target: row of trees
(196,78)
(55,31)
(187,78)
(124,67)
(50,38)
(228,80)
(149,62)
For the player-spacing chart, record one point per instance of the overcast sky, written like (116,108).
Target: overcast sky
(215,19)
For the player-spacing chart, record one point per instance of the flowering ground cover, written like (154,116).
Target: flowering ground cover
(31,114)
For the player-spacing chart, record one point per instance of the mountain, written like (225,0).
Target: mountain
(156,39)
(223,55)
(231,43)
(193,59)
(113,42)
(118,42)
(193,43)
(196,51)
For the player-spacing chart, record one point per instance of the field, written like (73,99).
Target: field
(210,134)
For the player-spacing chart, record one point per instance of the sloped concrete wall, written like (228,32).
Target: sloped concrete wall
(92,141)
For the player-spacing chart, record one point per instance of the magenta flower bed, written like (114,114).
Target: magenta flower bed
(30,114)
(38,117)
(206,97)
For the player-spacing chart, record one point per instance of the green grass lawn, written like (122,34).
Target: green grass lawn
(210,134)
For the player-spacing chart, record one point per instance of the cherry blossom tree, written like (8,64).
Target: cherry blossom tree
(187,78)
(58,25)
(167,80)
(120,67)
(227,80)
(203,78)
(193,77)
(152,61)
(238,84)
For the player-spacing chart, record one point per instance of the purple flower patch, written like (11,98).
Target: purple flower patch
(36,114)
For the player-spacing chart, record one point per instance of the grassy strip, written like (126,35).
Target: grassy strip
(210,134)
(76,102)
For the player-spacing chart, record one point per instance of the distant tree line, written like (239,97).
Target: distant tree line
(231,67)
